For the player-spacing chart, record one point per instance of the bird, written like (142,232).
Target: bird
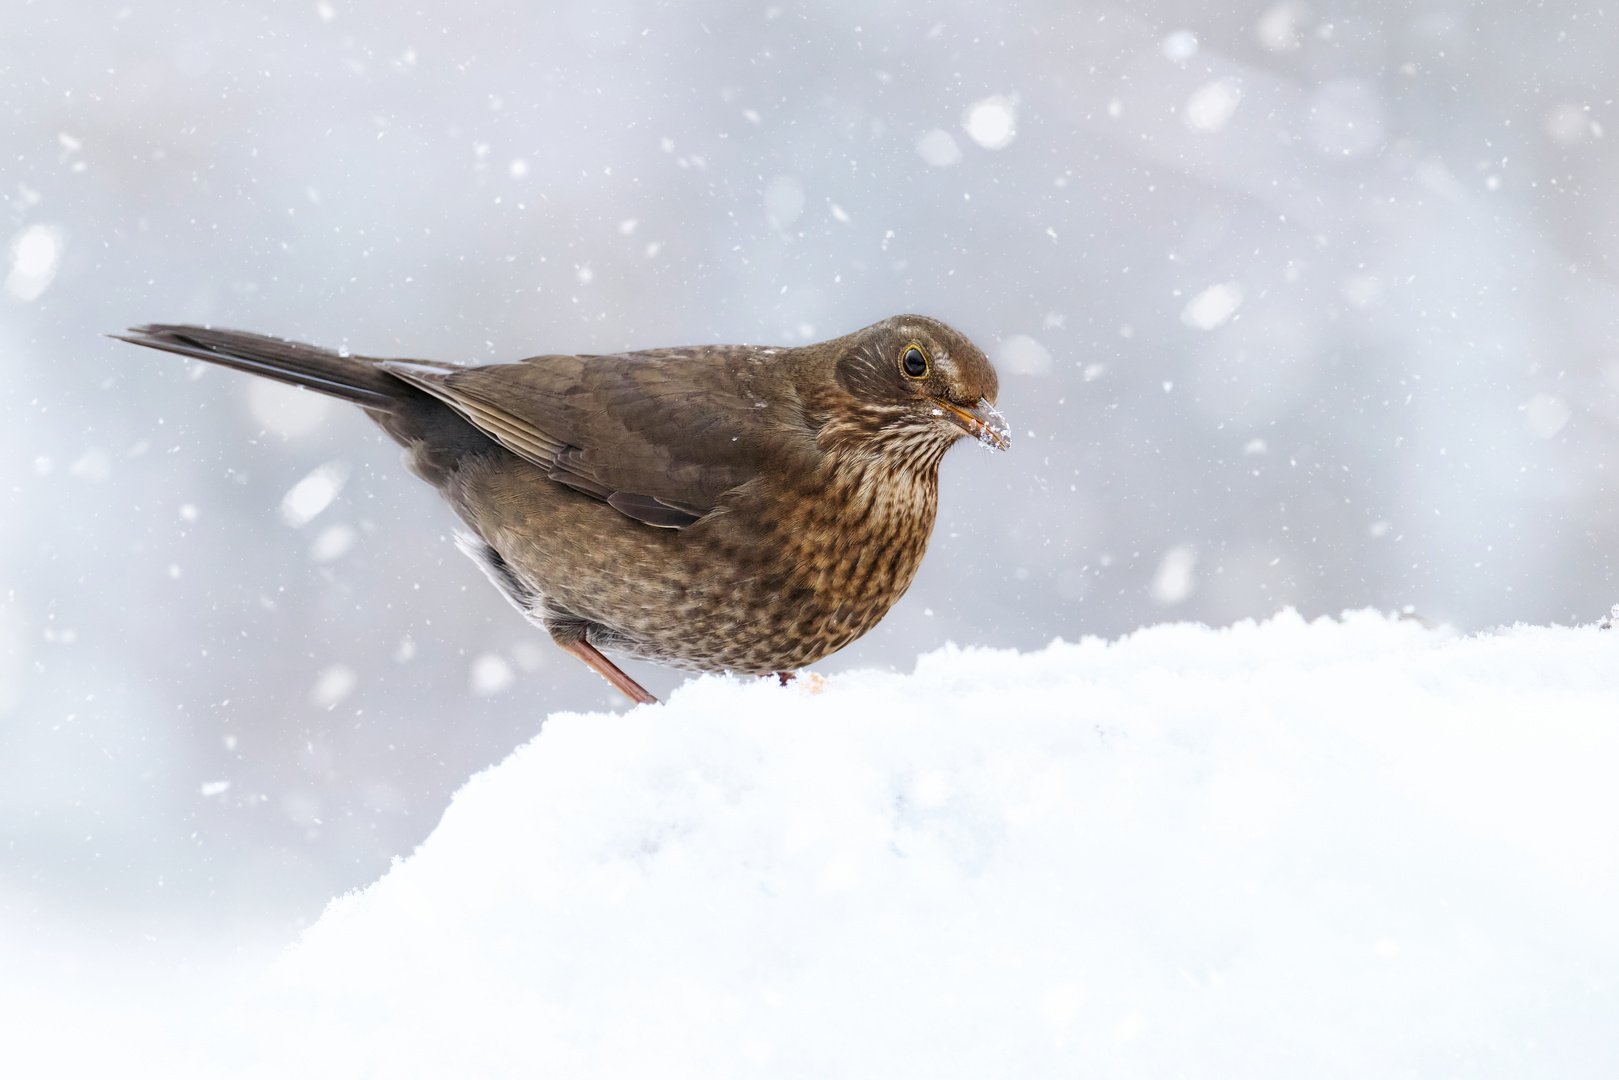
(739,508)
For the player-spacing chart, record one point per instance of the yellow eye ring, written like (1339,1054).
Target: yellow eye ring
(914,362)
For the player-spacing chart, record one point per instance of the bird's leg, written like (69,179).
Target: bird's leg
(608,670)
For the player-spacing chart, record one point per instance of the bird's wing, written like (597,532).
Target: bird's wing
(659,436)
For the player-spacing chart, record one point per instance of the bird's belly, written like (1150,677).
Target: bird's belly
(749,592)
(728,612)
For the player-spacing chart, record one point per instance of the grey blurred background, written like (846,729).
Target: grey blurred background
(1295,304)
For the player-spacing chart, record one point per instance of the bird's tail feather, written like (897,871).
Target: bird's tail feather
(351,378)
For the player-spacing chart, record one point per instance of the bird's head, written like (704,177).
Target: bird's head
(914,378)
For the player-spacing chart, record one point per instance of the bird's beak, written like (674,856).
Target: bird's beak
(982,422)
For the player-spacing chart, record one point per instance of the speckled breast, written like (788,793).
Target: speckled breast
(794,577)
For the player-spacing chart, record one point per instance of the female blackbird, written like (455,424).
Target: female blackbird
(724,507)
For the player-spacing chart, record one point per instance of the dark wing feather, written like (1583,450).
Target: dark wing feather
(652,511)
(659,436)
(570,468)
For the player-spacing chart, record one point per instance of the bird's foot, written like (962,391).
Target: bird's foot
(811,683)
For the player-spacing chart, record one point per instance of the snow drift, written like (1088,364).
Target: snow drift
(1355,847)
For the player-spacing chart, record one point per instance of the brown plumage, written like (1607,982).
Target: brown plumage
(724,507)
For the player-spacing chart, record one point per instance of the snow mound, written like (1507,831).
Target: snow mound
(1355,847)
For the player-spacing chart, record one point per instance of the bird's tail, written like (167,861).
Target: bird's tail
(351,378)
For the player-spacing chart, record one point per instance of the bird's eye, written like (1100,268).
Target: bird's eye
(914,362)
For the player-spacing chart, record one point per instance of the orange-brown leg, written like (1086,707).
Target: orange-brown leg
(608,670)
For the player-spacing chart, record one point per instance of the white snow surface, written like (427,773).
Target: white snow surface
(1353,847)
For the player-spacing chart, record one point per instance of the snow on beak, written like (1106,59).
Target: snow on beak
(982,422)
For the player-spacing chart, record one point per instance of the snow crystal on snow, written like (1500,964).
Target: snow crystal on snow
(314,493)
(992,122)
(1180,46)
(490,675)
(1175,580)
(1356,847)
(1023,355)
(332,686)
(1210,106)
(1281,26)
(938,148)
(333,542)
(36,252)
(1213,306)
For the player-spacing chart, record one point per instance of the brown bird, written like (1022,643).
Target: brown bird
(723,507)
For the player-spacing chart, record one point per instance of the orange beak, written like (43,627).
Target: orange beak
(982,422)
